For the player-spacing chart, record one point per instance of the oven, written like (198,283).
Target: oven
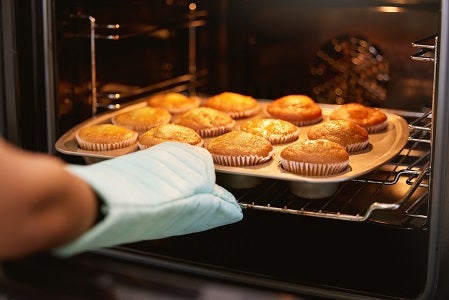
(381,235)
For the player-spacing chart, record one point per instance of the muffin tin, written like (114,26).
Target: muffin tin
(383,147)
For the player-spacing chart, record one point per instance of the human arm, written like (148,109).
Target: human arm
(42,205)
(166,190)
(163,191)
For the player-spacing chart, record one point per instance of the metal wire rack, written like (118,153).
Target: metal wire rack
(396,194)
(106,99)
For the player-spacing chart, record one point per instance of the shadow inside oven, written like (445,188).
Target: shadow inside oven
(364,257)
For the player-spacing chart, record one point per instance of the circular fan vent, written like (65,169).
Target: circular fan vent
(350,69)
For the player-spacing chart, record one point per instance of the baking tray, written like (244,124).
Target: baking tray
(383,147)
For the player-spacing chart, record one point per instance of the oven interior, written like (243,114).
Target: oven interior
(371,236)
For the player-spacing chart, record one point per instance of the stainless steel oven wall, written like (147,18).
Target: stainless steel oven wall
(272,47)
(113,52)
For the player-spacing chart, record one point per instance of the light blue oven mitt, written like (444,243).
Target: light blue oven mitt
(166,190)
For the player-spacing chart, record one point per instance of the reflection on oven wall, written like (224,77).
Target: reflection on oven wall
(126,50)
(262,48)
(285,39)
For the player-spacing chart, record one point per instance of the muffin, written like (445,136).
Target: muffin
(314,158)
(236,105)
(372,119)
(239,148)
(300,110)
(142,119)
(207,122)
(175,103)
(346,133)
(276,131)
(103,137)
(169,132)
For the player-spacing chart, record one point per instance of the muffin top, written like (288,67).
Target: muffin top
(364,116)
(142,118)
(234,104)
(240,143)
(105,134)
(169,132)
(298,109)
(343,132)
(175,103)
(315,152)
(204,118)
(270,128)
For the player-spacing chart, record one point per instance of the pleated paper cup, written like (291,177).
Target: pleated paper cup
(215,131)
(284,138)
(240,160)
(309,169)
(377,127)
(356,147)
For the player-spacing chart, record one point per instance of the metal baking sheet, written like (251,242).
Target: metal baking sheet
(383,147)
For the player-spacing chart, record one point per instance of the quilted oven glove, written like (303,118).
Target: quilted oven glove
(166,190)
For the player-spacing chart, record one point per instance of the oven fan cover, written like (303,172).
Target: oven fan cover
(350,69)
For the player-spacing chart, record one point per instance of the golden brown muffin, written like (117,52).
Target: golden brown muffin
(142,119)
(207,122)
(175,103)
(346,133)
(239,148)
(276,131)
(103,137)
(372,119)
(314,158)
(300,110)
(236,105)
(169,132)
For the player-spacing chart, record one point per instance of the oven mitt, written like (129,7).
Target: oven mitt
(166,190)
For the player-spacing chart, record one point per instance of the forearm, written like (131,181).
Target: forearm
(67,212)
(42,205)
(46,204)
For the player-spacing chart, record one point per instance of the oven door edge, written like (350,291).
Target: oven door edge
(438,261)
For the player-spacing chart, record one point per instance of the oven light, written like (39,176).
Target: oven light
(192,6)
(390,9)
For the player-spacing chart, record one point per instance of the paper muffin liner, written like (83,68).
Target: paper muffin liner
(240,160)
(283,139)
(143,146)
(307,122)
(216,131)
(308,169)
(356,146)
(244,114)
(377,127)
(83,144)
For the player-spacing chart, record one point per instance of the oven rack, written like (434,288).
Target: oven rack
(101,100)
(402,185)
(427,49)
(117,31)
(111,98)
